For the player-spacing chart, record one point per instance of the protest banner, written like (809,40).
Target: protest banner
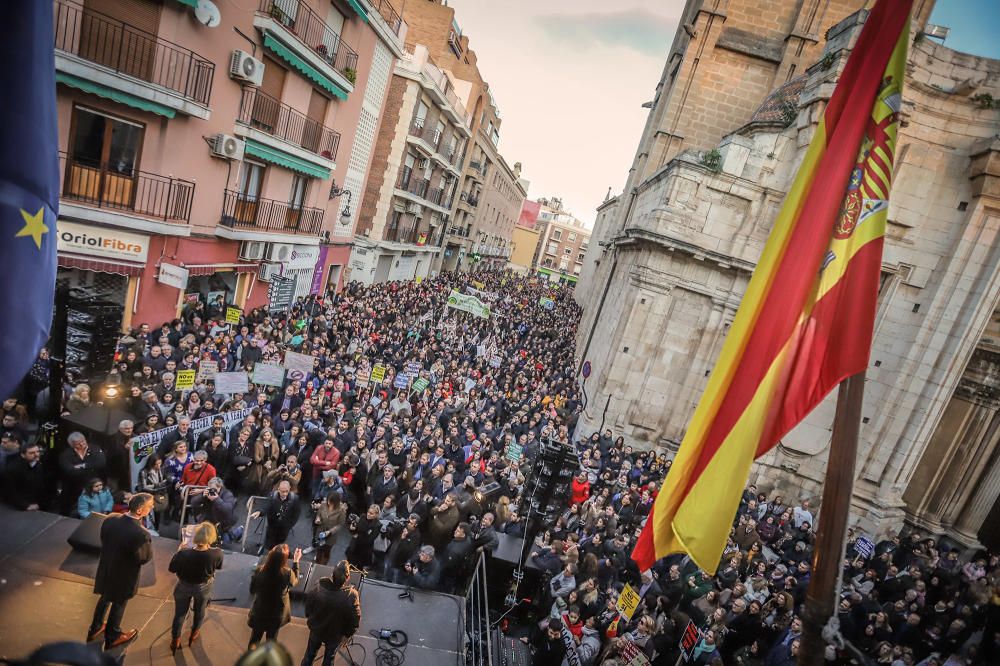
(419,385)
(233,315)
(141,446)
(514,451)
(185,380)
(469,304)
(298,365)
(547,303)
(207,370)
(402,381)
(413,368)
(268,374)
(628,601)
(378,374)
(229,383)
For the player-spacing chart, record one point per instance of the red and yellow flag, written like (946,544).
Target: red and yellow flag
(806,320)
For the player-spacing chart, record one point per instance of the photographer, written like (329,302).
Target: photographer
(423,571)
(331,516)
(218,506)
(288,471)
(365,529)
(405,543)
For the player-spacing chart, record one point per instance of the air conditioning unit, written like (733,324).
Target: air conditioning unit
(252,250)
(228,147)
(414,209)
(244,67)
(424,163)
(267,271)
(279,251)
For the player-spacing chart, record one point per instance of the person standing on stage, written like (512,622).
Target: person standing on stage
(195,568)
(269,585)
(125,547)
(283,511)
(333,613)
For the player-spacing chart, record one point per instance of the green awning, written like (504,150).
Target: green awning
(325,82)
(193,4)
(359,9)
(107,92)
(287,160)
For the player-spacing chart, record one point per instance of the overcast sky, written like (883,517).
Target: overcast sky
(570,77)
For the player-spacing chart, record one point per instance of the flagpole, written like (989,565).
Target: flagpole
(828,554)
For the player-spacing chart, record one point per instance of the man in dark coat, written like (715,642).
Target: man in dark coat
(282,513)
(118,453)
(125,547)
(25,482)
(333,613)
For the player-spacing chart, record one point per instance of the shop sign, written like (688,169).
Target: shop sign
(317,281)
(303,256)
(119,244)
(173,276)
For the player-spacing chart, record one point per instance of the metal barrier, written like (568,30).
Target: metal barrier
(246,524)
(479,648)
(185,498)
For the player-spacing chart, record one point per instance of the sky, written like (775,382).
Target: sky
(570,77)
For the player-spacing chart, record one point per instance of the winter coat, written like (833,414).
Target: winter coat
(101,502)
(125,547)
(333,613)
(271,607)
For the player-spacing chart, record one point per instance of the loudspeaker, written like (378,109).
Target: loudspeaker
(87,535)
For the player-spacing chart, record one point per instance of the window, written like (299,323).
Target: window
(581,256)
(297,198)
(251,178)
(421,115)
(567,250)
(552,248)
(572,237)
(563,264)
(103,159)
(557,234)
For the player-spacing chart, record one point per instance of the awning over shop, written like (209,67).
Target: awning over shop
(283,159)
(100,265)
(359,9)
(208,269)
(114,95)
(276,47)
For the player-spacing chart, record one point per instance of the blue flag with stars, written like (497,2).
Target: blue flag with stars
(29,186)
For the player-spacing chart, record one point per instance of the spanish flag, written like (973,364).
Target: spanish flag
(806,320)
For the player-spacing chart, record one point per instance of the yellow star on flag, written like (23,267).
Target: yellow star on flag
(34,226)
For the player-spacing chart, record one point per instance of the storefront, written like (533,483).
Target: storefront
(301,267)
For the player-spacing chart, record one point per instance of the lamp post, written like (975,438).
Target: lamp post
(345,213)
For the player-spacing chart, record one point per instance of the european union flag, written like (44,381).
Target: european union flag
(29,185)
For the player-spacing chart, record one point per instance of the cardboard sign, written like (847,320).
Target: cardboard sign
(514,451)
(627,602)
(496,361)
(378,374)
(470,384)
(864,547)
(402,381)
(632,654)
(420,384)
(185,380)
(207,370)
(413,368)
(298,365)
(268,374)
(546,303)
(233,315)
(231,382)
(689,640)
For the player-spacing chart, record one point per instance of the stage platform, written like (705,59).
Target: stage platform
(46,595)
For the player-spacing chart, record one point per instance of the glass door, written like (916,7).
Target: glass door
(103,159)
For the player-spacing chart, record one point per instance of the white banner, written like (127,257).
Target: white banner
(144,444)
(298,365)
(268,374)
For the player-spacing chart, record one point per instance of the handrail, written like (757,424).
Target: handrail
(246,523)
(312,30)
(121,187)
(126,49)
(185,494)
(246,212)
(267,114)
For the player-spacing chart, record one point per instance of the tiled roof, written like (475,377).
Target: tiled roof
(772,110)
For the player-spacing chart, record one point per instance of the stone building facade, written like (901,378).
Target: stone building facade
(671,258)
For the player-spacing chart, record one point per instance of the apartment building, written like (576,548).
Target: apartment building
(204,152)
(562,242)
(490,192)
(411,192)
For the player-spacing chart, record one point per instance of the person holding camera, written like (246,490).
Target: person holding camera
(195,567)
(331,516)
(218,505)
(289,471)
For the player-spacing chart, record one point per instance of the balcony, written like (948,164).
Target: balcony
(471,199)
(388,13)
(129,191)
(302,38)
(241,212)
(104,56)
(436,196)
(264,113)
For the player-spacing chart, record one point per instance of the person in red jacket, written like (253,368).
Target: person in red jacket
(323,458)
(199,471)
(581,488)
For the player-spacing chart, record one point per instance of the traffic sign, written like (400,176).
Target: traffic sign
(587,368)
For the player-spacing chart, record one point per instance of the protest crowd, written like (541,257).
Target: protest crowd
(411,406)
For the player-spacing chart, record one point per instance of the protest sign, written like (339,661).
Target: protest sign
(496,361)
(413,368)
(232,315)
(864,547)
(689,640)
(514,451)
(268,374)
(207,370)
(378,374)
(231,382)
(546,303)
(185,380)
(419,385)
(402,381)
(628,601)
(298,365)
(469,304)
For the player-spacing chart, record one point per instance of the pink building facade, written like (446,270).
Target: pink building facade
(203,153)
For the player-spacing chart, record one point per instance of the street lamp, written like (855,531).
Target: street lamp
(345,214)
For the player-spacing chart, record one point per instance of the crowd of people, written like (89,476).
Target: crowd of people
(394,468)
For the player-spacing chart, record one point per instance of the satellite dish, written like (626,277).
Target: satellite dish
(207,13)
